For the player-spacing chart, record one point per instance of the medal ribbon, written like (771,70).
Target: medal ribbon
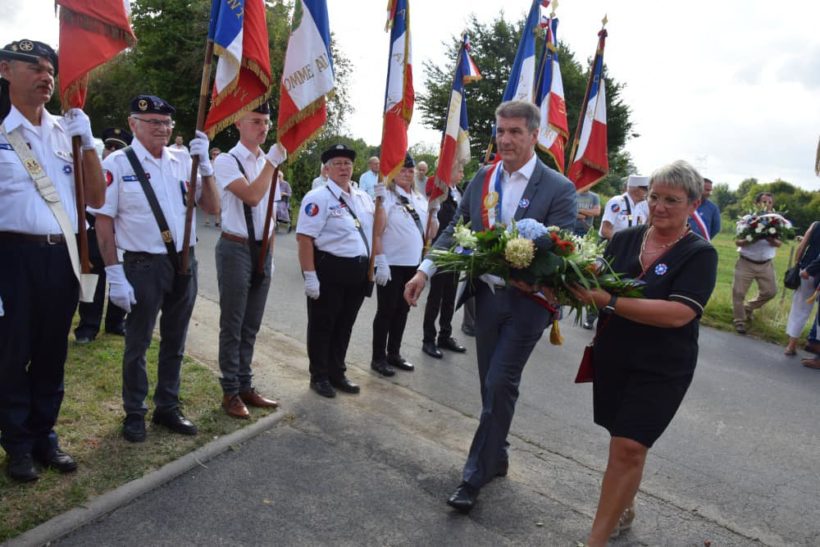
(491,200)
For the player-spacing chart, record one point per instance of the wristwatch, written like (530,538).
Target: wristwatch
(610,307)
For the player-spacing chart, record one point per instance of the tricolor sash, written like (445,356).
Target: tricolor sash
(491,196)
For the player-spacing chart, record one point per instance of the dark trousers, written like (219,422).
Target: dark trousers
(391,313)
(241,307)
(91,312)
(508,326)
(153,277)
(332,315)
(441,300)
(39,294)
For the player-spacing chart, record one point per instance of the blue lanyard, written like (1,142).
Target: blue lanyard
(499,191)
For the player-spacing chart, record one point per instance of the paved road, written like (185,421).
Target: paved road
(738,465)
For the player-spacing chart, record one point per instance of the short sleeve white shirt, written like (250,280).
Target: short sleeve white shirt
(22,208)
(226,171)
(135,226)
(402,240)
(325,218)
(616,213)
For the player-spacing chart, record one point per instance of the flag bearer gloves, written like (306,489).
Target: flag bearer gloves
(382,270)
(78,125)
(199,147)
(311,285)
(120,290)
(276,155)
(380,192)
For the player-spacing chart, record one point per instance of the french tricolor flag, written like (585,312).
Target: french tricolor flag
(521,84)
(399,96)
(554,130)
(307,76)
(591,163)
(455,147)
(242,81)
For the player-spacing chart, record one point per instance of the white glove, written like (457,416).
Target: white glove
(382,270)
(199,147)
(311,285)
(276,155)
(78,125)
(120,290)
(380,191)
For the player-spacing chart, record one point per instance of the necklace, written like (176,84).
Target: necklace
(660,246)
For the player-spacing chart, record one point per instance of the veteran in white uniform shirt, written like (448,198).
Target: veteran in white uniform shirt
(334,236)
(149,280)
(628,209)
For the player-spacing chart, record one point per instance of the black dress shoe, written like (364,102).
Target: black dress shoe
(451,344)
(21,468)
(382,367)
(116,331)
(345,385)
(463,499)
(323,388)
(84,339)
(400,363)
(133,428)
(469,331)
(59,461)
(432,350)
(175,421)
(588,324)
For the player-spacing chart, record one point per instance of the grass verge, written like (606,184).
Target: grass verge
(89,429)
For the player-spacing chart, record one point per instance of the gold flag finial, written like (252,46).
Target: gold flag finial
(554,7)
(604,21)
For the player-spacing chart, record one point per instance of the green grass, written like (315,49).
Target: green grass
(89,429)
(768,323)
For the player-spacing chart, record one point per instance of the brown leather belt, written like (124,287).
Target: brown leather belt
(49,239)
(237,239)
(758,262)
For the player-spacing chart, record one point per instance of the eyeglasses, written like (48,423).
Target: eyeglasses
(156,124)
(670,202)
(341,163)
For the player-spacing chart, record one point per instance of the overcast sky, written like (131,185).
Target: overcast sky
(733,88)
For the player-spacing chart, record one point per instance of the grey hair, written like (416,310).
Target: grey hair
(520,109)
(679,174)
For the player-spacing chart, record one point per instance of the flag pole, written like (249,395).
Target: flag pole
(79,190)
(577,136)
(204,91)
(266,242)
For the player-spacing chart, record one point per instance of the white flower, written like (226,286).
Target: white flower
(465,237)
(772,230)
(749,237)
(519,252)
(759,228)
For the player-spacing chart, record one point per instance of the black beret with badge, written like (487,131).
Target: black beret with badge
(29,51)
(150,104)
(116,136)
(338,151)
(409,161)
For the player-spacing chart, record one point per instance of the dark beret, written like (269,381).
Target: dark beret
(149,104)
(338,150)
(263,108)
(408,161)
(29,51)
(117,136)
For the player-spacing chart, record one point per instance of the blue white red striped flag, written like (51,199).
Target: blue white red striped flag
(307,76)
(521,84)
(242,81)
(554,130)
(455,146)
(591,163)
(399,96)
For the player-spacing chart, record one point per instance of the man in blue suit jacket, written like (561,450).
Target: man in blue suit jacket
(509,323)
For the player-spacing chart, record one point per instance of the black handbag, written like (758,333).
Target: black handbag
(791,279)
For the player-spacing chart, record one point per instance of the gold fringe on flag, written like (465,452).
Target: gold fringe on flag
(97,26)
(555,334)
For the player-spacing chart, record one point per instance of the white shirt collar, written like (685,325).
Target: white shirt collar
(143,153)
(526,170)
(15,119)
(242,151)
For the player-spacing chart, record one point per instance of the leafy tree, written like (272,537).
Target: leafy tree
(722,196)
(493,49)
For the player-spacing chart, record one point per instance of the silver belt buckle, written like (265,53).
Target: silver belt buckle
(48,240)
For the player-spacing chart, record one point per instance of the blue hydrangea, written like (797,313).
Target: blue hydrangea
(531,229)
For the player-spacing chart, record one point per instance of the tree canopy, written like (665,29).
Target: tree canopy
(494,46)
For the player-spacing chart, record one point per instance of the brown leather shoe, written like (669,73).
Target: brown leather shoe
(234,406)
(253,398)
(811,363)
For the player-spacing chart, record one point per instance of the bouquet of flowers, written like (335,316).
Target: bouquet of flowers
(536,254)
(756,226)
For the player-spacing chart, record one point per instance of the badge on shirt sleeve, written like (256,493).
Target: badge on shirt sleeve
(311,209)
(109,178)
(615,207)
